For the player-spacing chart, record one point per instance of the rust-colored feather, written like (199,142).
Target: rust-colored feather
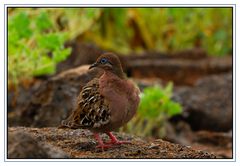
(91,111)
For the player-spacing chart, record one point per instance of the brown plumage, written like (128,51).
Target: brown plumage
(106,102)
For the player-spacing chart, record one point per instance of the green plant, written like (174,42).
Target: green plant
(163,29)
(35,46)
(155,108)
(36,35)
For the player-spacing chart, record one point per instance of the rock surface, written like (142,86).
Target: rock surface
(218,143)
(180,71)
(82,54)
(22,145)
(183,67)
(208,105)
(80,144)
(53,100)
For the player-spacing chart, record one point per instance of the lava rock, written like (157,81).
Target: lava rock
(208,105)
(53,100)
(21,145)
(181,71)
(82,54)
(80,144)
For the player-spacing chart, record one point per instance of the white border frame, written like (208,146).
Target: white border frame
(120,5)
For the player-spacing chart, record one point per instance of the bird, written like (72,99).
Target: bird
(106,102)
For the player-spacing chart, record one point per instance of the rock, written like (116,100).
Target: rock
(218,143)
(182,67)
(53,100)
(180,71)
(208,105)
(80,144)
(22,145)
(49,101)
(214,138)
(17,96)
(82,54)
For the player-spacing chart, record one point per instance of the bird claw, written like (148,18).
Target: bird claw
(115,141)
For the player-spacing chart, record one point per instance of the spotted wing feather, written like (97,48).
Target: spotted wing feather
(92,110)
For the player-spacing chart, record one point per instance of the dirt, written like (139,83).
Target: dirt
(67,143)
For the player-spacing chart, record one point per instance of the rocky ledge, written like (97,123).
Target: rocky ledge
(66,143)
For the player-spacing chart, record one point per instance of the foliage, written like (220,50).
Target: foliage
(36,36)
(155,108)
(128,30)
(34,46)
(174,29)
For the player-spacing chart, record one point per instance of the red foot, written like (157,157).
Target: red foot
(115,141)
(100,142)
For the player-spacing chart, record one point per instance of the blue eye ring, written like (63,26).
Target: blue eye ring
(103,61)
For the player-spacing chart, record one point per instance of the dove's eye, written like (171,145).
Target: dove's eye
(103,60)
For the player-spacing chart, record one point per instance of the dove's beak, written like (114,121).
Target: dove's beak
(93,65)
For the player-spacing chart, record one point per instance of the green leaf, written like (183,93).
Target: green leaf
(43,22)
(21,24)
(45,66)
(156,101)
(168,89)
(175,109)
(51,42)
(61,55)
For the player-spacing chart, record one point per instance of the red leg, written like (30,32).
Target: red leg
(114,140)
(100,142)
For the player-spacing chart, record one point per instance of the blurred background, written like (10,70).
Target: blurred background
(181,58)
